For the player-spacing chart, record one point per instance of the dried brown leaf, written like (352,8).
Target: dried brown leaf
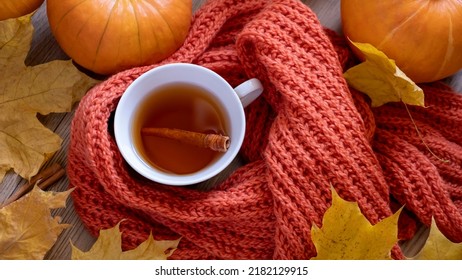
(108,247)
(28,229)
(25,91)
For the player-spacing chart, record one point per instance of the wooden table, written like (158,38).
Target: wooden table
(44,49)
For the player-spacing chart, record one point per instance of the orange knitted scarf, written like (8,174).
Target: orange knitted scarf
(307,132)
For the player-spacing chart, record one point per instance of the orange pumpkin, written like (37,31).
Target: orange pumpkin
(107,36)
(424,37)
(17,8)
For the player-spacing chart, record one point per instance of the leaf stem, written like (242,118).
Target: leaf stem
(421,137)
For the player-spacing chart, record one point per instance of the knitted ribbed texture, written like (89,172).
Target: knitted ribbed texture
(306,133)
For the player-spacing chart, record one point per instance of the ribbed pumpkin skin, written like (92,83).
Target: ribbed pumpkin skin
(17,8)
(424,37)
(108,36)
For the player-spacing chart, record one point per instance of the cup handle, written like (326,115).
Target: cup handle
(248,91)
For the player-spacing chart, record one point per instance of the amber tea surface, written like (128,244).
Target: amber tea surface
(179,106)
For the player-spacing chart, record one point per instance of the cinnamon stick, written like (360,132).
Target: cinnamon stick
(215,142)
(43,179)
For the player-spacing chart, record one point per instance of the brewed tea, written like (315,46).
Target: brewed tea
(178,106)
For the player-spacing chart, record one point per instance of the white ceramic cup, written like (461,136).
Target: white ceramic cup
(231,100)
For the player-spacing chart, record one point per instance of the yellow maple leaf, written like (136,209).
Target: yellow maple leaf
(28,229)
(380,78)
(108,247)
(25,91)
(347,235)
(438,247)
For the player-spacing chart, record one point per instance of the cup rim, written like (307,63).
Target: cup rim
(122,129)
